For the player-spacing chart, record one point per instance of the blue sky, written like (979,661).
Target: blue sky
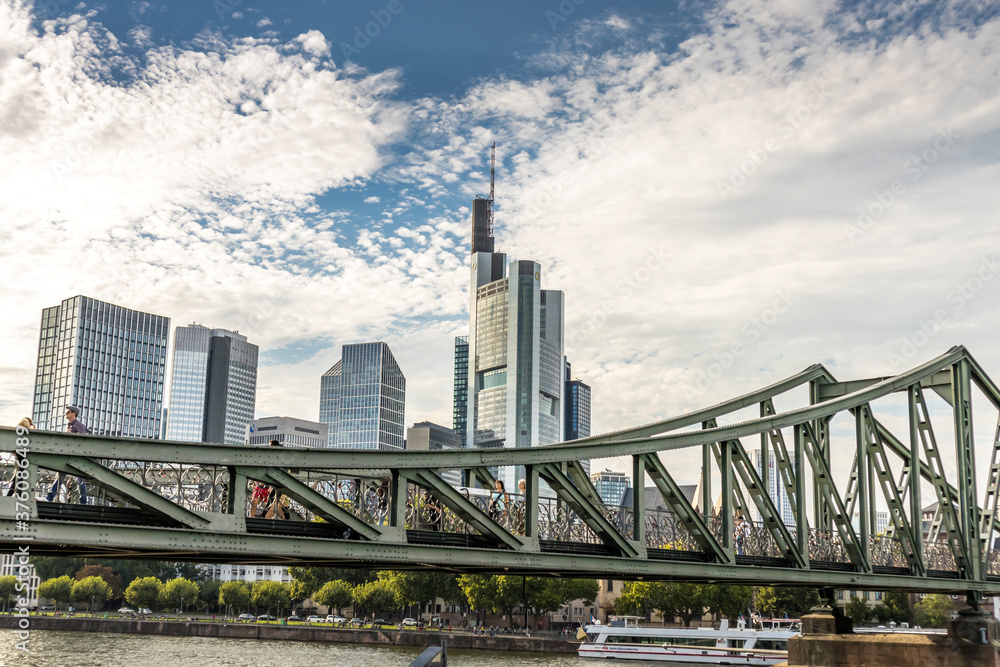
(677,169)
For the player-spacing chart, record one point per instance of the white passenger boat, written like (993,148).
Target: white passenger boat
(625,640)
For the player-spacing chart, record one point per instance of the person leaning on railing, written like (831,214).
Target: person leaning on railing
(275,502)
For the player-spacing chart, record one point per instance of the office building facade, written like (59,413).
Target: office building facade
(775,489)
(213,385)
(109,361)
(611,486)
(514,385)
(460,401)
(288,431)
(428,436)
(363,398)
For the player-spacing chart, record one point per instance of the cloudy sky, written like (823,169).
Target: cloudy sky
(726,192)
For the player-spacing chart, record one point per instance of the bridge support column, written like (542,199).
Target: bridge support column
(828,640)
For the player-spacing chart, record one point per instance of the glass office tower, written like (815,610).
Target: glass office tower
(213,385)
(108,360)
(611,486)
(515,382)
(577,418)
(362,399)
(460,409)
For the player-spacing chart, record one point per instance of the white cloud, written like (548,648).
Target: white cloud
(264,22)
(197,200)
(372,200)
(314,42)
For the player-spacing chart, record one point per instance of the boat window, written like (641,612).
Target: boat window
(772,644)
(737,643)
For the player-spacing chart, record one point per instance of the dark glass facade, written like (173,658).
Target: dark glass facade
(460,403)
(213,385)
(108,360)
(362,399)
(577,419)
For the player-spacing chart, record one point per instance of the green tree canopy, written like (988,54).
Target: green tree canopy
(58,589)
(235,594)
(375,597)
(315,577)
(114,581)
(334,594)
(934,611)
(728,601)
(208,598)
(144,592)
(481,591)
(639,598)
(776,601)
(180,593)
(422,587)
(49,567)
(270,595)
(91,590)
(298,591)
(858,610)
(895,607)
(8,586)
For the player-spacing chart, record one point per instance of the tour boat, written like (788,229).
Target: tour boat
(625,640)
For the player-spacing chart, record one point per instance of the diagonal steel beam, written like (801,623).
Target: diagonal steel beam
(583,483)
(986,529)
(768,511)
(682,509)
(466,509)
(591,515)
(316,502)
(121,486)
(828,490)
(945,493)
(890,492)
(782,461)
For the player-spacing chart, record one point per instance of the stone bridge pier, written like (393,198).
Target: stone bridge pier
(828,640)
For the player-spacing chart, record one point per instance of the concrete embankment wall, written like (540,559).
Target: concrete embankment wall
(293,633)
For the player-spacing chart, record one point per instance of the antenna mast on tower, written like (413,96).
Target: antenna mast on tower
(489,202)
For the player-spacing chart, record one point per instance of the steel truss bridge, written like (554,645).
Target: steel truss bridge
(381,509)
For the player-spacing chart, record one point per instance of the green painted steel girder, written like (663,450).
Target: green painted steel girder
(120,486)
(132,541)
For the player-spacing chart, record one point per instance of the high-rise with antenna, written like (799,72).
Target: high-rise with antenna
(482,213)
(515,372)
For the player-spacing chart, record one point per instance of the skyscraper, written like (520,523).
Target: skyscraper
(515,375)
(611,486)
(213,385)
(107,360)
(576,422)
(362,398)
(775,489)
(460,412)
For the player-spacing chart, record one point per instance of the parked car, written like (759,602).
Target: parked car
(245,617)
(48,607)
(336,620)
(126,610)
(379,622)
(314,619)
(410,622)
(147,612)
(266,617)
(294,619)
(356,622)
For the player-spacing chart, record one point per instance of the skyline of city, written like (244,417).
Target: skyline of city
(722,206)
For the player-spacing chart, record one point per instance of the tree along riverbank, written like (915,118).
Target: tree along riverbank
(299,633)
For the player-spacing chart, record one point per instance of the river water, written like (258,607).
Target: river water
(84,649)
